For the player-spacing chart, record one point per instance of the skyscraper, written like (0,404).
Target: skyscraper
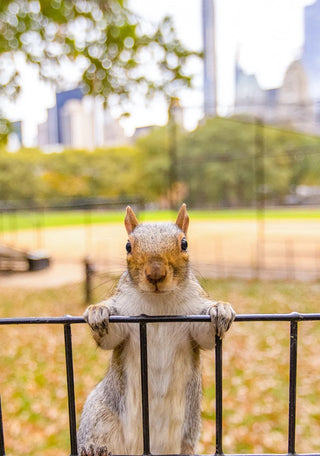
(296,103)
(78,121)
(311,52)
(209,89)
(62,99)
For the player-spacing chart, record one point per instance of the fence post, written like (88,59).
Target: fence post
(144,387)
(89,272)
(70,385)
(218,375)
(290,259)
(2,449)
(292,386)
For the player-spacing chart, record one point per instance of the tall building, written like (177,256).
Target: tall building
(209,83)
(249,97)
(62,99)
(311,53)
(51,132)
(78,122)
(82,123)
(288,105)
(296,103)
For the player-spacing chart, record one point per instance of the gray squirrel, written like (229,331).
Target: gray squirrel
(158,281)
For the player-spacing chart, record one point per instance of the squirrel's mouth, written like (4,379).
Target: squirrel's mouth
(158,290)
(156,285)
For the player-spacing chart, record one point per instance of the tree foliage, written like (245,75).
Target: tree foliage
(231,162)
(103,37)
(218,164)
(154,163)
(106,45)
(33,176)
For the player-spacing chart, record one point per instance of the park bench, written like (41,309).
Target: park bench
(16,260)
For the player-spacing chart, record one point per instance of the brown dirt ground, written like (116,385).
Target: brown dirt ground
(216,247)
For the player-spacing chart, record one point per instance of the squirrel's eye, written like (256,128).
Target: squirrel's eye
(128,247)
(184,244)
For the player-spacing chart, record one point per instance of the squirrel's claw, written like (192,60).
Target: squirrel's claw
(222,315)
(97,316)
(94,451)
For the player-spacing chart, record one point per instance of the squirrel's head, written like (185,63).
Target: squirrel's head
(157,253)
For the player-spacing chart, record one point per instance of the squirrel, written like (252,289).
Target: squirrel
(158,281)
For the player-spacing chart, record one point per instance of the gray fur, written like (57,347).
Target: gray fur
(111,419)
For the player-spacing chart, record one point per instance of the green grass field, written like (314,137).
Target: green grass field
(32,220)
(255,360)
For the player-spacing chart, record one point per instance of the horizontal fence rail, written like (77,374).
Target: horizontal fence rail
(143,320)
(69,319)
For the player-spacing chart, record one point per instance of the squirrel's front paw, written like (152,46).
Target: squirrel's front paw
(97,316)
(94,451)
(222,315)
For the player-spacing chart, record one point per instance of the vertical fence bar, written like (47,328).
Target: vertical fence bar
(292,386)
(290,259)
(144,387)
(89,271)
(218,375)
(2,449)
(70,385)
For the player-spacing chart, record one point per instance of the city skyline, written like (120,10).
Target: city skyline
(237,23)
(295,103)
(78,121)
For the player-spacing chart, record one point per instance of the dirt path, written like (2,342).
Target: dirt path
(213,244)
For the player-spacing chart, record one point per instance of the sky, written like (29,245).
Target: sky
(264,35)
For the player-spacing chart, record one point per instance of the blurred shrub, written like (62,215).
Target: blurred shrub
(223,162)
(231,162)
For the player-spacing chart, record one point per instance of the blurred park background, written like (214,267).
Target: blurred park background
(105,103)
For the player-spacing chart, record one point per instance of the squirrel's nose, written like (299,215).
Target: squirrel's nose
(155,272)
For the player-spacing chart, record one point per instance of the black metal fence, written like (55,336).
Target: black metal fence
(143,320)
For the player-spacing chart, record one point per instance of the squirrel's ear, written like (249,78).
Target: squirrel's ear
(183,219)
(130,220)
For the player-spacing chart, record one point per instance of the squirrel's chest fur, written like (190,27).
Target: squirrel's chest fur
(169,354)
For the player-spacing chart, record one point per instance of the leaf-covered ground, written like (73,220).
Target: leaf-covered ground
(255,360)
